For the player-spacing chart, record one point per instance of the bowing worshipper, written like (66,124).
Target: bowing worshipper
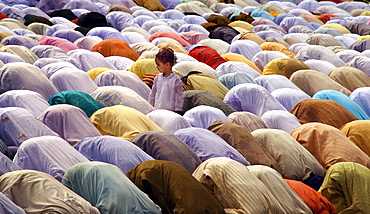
(252,98)
(278,119)
(358,78)
(232,79)
(123,78)
(38,28)
(19,40)
(87,42)
(251,36)
(170,35)
(79,99)
(297,163)
(49,51)
(167,120)
(360,62)
(70,122)
(207,55)
(7,165)
(173,188)
(9,57)
(63,44)
(7,206)
(323,111)
(38,192)
(320,65)
(264,57)
(240,58)
(320,139)
(113,192)
(14,134)
(203,116)
(357,132)
(121,63)
(68,34)
(319,52)
(289,97)
(20,75)
(284,66)
(313,199)
(247,48)
(93,73)
(287,198)
(242,140)
(142,67)
(198,81)
(224,33)
(49,154)
(113,150)
(54,67)
(86,60)
(274,81)
(114,47)
(344,101)
(128,123)
(119,95)
(346,187)
(166,146)
(235,187)
(247,120)
(237,67)
(207,144)
(27,99)
(274,46)
(152,5)
(193,98)
(167,89)
(311,81)
(185,67)
(73,80)
(40,63)
(325,40)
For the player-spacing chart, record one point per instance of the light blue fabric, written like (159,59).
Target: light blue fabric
(258,12)
(8,207)
(105,33)
(172,14)
(144,12)
(289,22)
(361,96)
(82,4)
(279,18)
(52,29)
(22,32)
(273,82)
(193,19)
(120,20)
(113,150)
(40,63)
(310,5)
(19,40)
(232,79)
(9,57)
(49,51)
(203,116)
(247,48)
(289,97)
(108,189)
(207,144)
(330,31)
(193,27)
(68,34)
(140,20)
(268,33)
(7,165)
(170,4)
(344,101)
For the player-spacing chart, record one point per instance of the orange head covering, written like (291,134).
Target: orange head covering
(274,46)
(115,47)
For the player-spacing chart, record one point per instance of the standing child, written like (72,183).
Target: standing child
(167,88)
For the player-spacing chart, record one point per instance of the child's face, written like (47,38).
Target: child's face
(162,67)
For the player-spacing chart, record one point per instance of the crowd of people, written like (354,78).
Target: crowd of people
(184,106)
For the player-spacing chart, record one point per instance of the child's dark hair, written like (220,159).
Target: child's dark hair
(166,55)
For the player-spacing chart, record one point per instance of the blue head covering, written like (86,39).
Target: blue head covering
(361,96)
(232,79)
(330,31)
(193,19)
(193,27)
(8,57)
(7,165)
(52,29)
(289,97)
(172,14)
(279,18)
(22,32)
(68,34)
(207,144)
(140,20)
(273,82)
(120,20)
(170,4)
(258,12)
(203,116)
(344,101)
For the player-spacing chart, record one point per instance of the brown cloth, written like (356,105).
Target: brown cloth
(248,120)
(357,78)
(115,47)
(38,19)
(117,7)
(242,140)
(167,146)
(152,5)
(194,98)
(329,145)
(173,188)
(322,111)
(253,37)
(218,19)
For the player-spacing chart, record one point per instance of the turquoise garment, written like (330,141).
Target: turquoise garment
(79,99)
(258,12)
(344,101)
(232,79)
(108,189)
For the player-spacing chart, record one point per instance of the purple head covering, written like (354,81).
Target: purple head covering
(283,120)
(347,55)
(49,154)
(73,80)
(12,10)
(361,96)
(203,116)
(19,40)
(22,32)
(144,12)
(320,65)
(361,45)
(7,165)
(237,67)
(264,21)
(114,150)
(88,60)
(207,144)
(360,62)
(35,11)
(289,22)
(247,48)
(105,33)
(252,98)
(51,68)
(9,57)
(140,20)
(49,5)
(166,146)
(273,82)
(49,51)
(263,57)
(52,29)
(172,14)
(40,63)
(82,4)
(193,27)
(123,78)
(30,100)
(310,5)
(18,125)
(193,19)
(68,34)
(319,52)
(70,122)
(120,20)
(289,97)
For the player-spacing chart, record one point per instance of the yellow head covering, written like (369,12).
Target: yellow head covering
(144,67)
(93,73)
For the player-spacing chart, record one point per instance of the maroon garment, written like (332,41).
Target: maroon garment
(208,56)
